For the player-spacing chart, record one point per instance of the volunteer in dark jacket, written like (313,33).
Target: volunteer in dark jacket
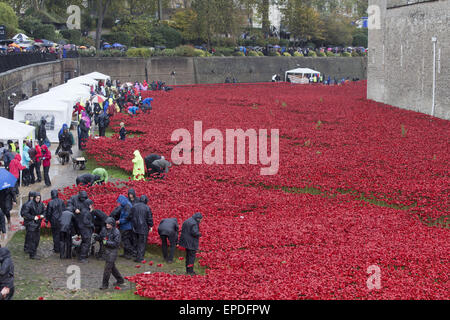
(148,163)
(142,220)
(103,123)
(7,201)
(84,226)
(54,210)
(99,218)
(168,231)
(87,179)
(111,240)
(66,225)
(189,239)
(132,196)
(42,132)
(126,227)
(8,155)
(33,215)
(24,208)
(6,275)
(77,202)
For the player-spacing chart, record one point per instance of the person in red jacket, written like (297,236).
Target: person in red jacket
(37,163)
(15,166)
(46,156)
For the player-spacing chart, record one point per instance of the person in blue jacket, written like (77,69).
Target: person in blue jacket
(126,227)
(146,105)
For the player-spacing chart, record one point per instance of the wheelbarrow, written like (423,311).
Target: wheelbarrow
(79,163)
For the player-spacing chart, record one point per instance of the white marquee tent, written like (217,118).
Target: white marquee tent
(88,81)
(14,130)
(300,72)
(72,90)
(55,112)
(98,76)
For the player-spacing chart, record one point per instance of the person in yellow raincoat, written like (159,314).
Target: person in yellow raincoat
(138,166)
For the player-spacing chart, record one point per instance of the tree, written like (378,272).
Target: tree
(101,10)
(338,30)
(8,18)
(302,20)
(185,22)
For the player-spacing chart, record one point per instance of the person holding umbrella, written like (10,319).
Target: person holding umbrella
(7,193)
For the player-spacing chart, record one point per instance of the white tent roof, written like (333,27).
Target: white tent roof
(72,90)
(88,81)
(15,130)
(21,37)
(301,71)
(97,76)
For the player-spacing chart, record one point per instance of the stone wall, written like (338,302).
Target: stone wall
(32,80)
(400,61)
(216,69)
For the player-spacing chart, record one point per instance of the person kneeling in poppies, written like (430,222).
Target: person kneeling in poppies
(190,234)
(111,241)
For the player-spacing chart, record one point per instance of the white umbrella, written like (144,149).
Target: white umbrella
(98,99)
(21,37)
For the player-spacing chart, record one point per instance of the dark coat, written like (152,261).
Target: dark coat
(190,232)
(8,156)
(169,227)
(84,221)
(2,222)
(42,132)
(34,209)
(66,221)
(150,158)
(141,218)
(55,208)
(7,197)
(99,218)
(26,206)
(87,179)
(122,133)
(78,201)
(103,120)
(113,239)
(6,269)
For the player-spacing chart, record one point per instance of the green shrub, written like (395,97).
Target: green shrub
(224,51)
(321,54)
(330,54)
(312,54)
(253,53)
(346,54)
(185,51)
(260,54)
(73,36)
(121,37)
(87,52)
(284,42)
(104,53)
(287,54)
(273,53)
(238,54)
(199,53)
(298,54)
(117,53)
(165,35)
(139,52)
(355,54)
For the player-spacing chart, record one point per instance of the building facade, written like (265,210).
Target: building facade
(409,55)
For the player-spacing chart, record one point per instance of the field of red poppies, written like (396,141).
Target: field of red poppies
(359,184)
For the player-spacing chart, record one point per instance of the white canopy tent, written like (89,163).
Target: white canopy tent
(14,130)
(98,76)
(72,90)
(55,112)
(88,81)
(301,73)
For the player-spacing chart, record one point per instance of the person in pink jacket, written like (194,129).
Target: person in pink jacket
(46,156)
